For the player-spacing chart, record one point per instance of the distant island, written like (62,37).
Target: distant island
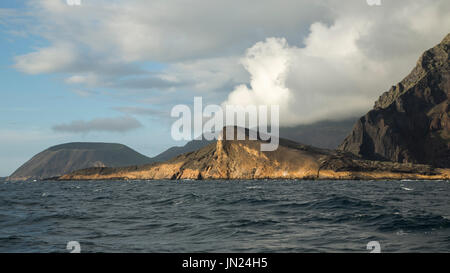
(65,158)
(405,136)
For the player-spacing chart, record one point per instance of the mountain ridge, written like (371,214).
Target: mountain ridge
(410,123)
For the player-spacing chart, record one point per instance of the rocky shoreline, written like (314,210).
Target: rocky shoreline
(242,159)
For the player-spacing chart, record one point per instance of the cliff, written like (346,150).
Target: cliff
(410,123)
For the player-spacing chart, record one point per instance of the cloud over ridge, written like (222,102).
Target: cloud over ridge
(342,67)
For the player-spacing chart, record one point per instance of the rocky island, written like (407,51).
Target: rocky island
(61,159)
(405,136)
(242,159)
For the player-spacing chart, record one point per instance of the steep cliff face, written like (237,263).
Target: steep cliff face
(410,122)
(242,159)
(65,158)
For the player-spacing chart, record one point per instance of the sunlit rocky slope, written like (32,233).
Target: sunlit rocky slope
(242,159)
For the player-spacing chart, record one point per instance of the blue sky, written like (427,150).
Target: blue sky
(31,104)
(106,61)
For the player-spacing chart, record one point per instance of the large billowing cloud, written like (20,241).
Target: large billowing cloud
(268,64)
(314,82)
(342,67)
(316,59)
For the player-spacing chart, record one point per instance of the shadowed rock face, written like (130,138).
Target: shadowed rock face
(410,122)
(66,158)
(242,159)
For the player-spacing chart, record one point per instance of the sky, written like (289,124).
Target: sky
(111,70)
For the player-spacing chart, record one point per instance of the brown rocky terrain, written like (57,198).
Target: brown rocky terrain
(242,159)
(410,123)
(323,134)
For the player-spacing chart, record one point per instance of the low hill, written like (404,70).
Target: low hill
(65,158)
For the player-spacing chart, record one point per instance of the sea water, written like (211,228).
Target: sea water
(225,216)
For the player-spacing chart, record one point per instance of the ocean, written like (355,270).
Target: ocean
(225,216)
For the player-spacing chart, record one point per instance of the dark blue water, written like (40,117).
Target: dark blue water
(225,216)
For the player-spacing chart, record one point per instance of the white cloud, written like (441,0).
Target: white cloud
(343,67)
(311,83)
(268,63)
(203,35)
(47,60)
(341,55)
(87,79)
(162,30)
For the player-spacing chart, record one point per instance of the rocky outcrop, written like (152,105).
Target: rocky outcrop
(410,123)
(69,157)
(242,159)
(323,134)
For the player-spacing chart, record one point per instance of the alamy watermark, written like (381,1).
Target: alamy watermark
(374,246)
(209,122)
(74,247)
